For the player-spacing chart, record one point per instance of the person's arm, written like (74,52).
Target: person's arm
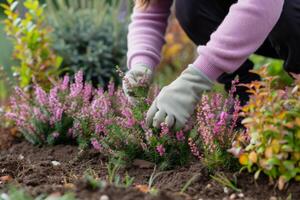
(242,32)
(146,34)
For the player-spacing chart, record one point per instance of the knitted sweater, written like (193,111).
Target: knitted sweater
(241,33)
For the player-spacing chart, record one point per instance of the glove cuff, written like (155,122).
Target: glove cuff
(195,69)
(143,60)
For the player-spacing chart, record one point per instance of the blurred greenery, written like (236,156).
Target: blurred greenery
(274,68)
(5,57)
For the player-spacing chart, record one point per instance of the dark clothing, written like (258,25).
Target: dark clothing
(200,18)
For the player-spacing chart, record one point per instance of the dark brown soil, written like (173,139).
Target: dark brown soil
(32,168)
(6,137)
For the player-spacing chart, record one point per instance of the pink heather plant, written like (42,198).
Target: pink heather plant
(75,112)
(217,118)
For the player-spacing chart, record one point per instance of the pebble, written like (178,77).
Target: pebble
(20,157)
(104,197)
(55,163)
(241,195)
(233,196)
(273,198)
(208,186)
(4,196)
(226,190)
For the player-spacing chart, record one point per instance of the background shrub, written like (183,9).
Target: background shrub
(90,35)
(31,41)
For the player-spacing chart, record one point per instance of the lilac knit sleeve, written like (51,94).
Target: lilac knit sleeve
(242,32)
(146,34)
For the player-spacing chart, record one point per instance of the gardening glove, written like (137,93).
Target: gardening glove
(137,76)
(176,102)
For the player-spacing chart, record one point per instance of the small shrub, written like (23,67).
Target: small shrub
(91,37)
(217,119)
(32,45)
(271,143)
(75,112)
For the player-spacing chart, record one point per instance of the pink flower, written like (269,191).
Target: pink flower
(96,144)
(39,115)
(87,93)
(161,150)
(55,134)
(180,136)
(58,112)
(65,83)
(77,87)
(41,96)
(164,129)
(194,149)
(100,128)
(53,98)
(129,118)
(111,89)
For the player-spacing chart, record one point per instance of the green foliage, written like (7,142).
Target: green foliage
(91,37)
(19,194)
(225,182)
(32,46)
(93,181)
(114,178)
(274,68)
(272,118)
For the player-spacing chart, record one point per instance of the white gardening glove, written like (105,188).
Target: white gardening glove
(137,76)
(176,102)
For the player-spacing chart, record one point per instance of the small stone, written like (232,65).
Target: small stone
(200,199)
(69,186)
(208,186)
(4,196)
(55,163)
(20,157)
(226,190)
(241,195)
(104,197)
(232,196)
(273,198)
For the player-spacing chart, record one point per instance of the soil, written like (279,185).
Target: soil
(33,169)
(7,137)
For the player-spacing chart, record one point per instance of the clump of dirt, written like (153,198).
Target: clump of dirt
(7,137)
(61,169)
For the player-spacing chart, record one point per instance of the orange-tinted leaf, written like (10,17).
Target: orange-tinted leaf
(143,188)
(253,157)
(269,152)
(6,179)
(243,159)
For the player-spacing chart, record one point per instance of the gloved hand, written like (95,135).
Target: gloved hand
(137,76)
(176,102)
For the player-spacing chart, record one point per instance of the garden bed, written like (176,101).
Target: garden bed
(33,168)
